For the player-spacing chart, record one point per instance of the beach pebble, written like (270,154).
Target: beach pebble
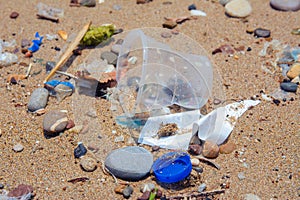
(88,164)
(210,150)
(195,161)
(110,57)
(201,187)
(261,32)
(192,7)
(170,24)
(116,48)
(145,196)
(285,5)
(238,8)
(127,192)
(80,150)
(21,190)
(25,43)
(49,66)
(88,3)
(147,187)
(38,99)
(117,7)
(294,71)
(1,186)
(55,122)
(224,2)
(198,169)
(18,147)
(241,175)
(197,13)
(227,148)
(129,163)
(14,15)
(195,149)
(251,197)
(289,86)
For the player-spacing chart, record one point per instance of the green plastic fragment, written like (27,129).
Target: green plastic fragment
(96,35)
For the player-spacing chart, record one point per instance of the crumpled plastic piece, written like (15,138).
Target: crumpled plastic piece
(59,89)
(53,83)
(6,58)
(96,35)
(218,124)
(36,43)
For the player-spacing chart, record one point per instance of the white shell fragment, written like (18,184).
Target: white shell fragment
(198,13)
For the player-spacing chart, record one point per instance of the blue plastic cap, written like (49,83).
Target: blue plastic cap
(172,167)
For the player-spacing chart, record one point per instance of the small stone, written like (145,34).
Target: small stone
(116,48)
(1,186)
(227,148)
(294,71)
(251,197)
(170,24)
(224,2)
(192,7)
(119,188)
(49,66)
(21,190)
(110,57)
(88,3)
(195,161)
(55,122)
(70,124)
(28,54)
(38,99)
(127,192)
(296,80)
(88,164)
(25,43)
(210,150)
(18,147)
(155,148)
(197,13)
(289,86)
(129,163)
(201,187)
(261,32)
(117,7)
(147,187)
(198,169)
(145,196)
(195,149)
(14,15)
(285,5)
(80,150)
(238,8)
(166,35)
(241,176)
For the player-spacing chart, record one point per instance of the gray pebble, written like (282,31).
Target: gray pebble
(55,122)
(117,7)
(286,5)
(88,164)
(241,175)
(18,147)
(1,186)
(116,48)
(38,99)
(127,191)
(238,8)
(110,57)
(289,86)
(251,197)
(25,43)
(129,163)
(198,169)
(224,2)
(261,32)
(202,187)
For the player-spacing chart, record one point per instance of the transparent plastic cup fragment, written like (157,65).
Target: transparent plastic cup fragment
(162,76)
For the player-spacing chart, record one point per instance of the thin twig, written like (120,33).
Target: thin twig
(67,74)
(69,51)
(28,70)
(205,160)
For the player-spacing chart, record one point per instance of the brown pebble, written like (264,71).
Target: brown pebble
(170,24)
(70,124)
(28,54)
(210,150)
(88,164)
(195,149)
(155,148)
(14,15)
(294,71)
(227,148)
(145,196)
(119,189)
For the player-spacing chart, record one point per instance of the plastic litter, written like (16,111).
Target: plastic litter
(48,12)
(217,125)
(59,89)
(36,43)
(172,167)
(6,58)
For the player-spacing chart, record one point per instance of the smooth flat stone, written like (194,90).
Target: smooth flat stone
(129,163)
(285,5)
(38,99)
(55,122)
(238,8)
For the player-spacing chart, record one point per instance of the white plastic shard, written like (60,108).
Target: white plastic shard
(217,125)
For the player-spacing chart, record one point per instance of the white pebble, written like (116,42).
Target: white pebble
(18,147)
(198,13)
(195,161)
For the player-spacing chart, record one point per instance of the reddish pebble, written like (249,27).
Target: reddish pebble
(70,124)
(227,148)
(28,54)
(14,15)
(210,150)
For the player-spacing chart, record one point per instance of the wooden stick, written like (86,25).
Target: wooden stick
(69,51)
(202,159)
